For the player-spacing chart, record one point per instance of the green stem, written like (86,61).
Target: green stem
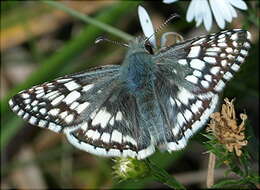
(90,20)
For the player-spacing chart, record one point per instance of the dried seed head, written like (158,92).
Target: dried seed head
(224,126)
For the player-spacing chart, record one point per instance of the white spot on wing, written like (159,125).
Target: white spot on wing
(32,120)
(129,153)
(42,123)
(114,152)
(71,97)
(244,52)
(192,79)
(240,59)
(214,70)
(180,119)
(96,135)
(25,95)
(11,103)
(214,49)
(182,61)
(43,111)
(197,73)
(63,80)
(210,60)
(119,116)
(84,127)
(57,100)
(146,152)
(34,103)
(235,67)
(54,111)
(219,86)
(87,87)
(54,127)
(205,83)
(234,36)
(90,133)
(72,85)
(105,137)
(20,113)
(188,114)
(102,118)
(69,118)
(63,114)
(82,107)
(26,116)
(40,95)
(74,105)
(184,96)
(194,51)
(129,139)
(208,77)
(27,101)
(116,136)
(224,63)
(172,101)
(227,76)
(197,64)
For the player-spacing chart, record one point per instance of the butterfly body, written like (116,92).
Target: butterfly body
(152,100)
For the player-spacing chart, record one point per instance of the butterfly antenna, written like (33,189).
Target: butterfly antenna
(102,38)
(163,25)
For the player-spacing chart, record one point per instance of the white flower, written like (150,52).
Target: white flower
(223,10)
(146,25)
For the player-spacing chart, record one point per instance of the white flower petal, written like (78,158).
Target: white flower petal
(232,10)
(217,14)
(169,1)
(198,19)
(191,11)
(146,25)
(240,4)
(207,17)
(223,8)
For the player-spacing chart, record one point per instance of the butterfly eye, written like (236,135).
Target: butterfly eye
(148,47)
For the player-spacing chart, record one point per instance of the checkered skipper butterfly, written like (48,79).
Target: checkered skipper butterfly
(155,99)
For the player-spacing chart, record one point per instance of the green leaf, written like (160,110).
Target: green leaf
(162,176)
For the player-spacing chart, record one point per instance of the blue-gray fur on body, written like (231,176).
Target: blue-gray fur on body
(138,76)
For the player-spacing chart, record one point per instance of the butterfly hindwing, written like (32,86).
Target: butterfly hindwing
(190,76)
(113,130)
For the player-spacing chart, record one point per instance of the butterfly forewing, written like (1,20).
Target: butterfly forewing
(191,75)
(61,103)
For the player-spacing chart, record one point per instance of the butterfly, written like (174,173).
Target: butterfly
(154,100)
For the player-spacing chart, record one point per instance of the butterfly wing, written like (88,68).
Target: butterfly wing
(59,104)
(91,108)
(113,129)
(191,75)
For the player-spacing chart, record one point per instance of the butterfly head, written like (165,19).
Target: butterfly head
(140,45)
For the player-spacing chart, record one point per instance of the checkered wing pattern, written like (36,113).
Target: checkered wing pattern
(91,108)
(191,75)
(99,112)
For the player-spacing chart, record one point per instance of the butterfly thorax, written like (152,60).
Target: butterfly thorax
(137,72)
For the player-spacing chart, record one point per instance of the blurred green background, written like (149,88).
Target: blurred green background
(40,42)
